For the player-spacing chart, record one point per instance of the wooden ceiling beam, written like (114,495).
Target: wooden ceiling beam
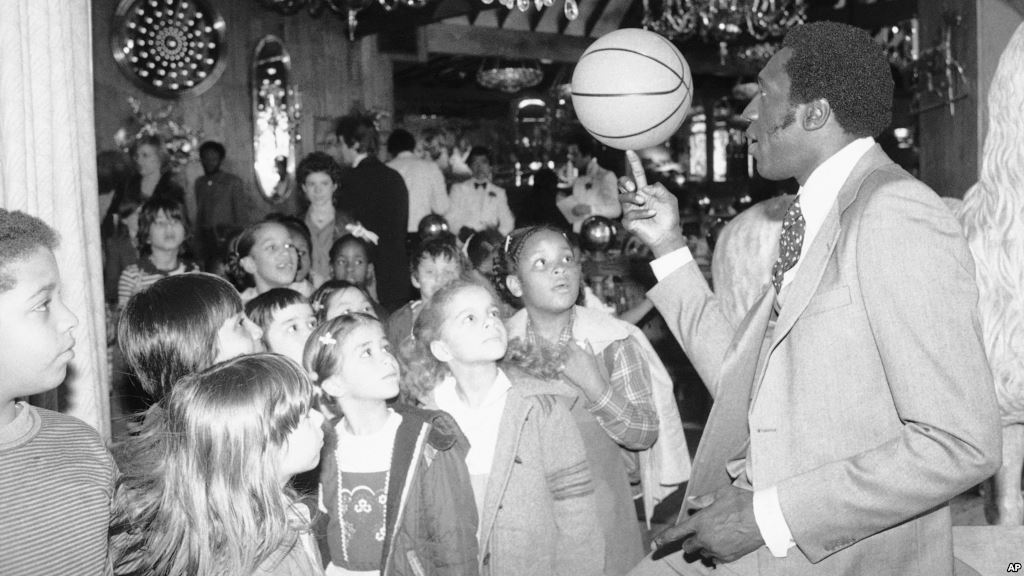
(483,42)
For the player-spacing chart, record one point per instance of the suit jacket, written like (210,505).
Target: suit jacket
(868,401)
(479,209)
(375,196)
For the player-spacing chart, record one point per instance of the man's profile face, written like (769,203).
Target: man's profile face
(773,138)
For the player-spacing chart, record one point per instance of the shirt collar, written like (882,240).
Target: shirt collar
(359,159)
(820,191)
(448,394)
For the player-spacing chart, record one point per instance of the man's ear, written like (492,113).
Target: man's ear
(415,281)
(248,264)
(514,285)
(816,114)
(441,351)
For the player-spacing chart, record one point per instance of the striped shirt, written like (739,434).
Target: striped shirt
(137,277)
(56,482)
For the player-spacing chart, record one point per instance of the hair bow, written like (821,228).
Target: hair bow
(359,231)
(327,339)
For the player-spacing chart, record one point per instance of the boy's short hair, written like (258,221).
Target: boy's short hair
(443,246)
(317,162)
(262,308)
(215,146)
(20,235)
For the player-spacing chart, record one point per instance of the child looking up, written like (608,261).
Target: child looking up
(610,363)
(352,261)
(286,319)
(337,297)
(529,471)
(56,478)
(162,232)
(265,258)
(181,325)
(436,262)
(231,438)
(393,480)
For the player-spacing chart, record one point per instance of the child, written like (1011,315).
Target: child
(265,258)
(162,233)
(181,325)
(393,480)
(436,262)
(55,475)
(481,249)
(478,203)
(286,319)
(337,297)
(301,238)
(527,464)
(231,438)
(318,174)
(352,261)
(610,363)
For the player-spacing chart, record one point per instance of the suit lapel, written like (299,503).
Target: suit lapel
(727,430)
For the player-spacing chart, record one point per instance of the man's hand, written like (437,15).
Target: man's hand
(649,212)
(723,529)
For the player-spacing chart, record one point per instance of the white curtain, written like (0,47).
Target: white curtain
(48,169)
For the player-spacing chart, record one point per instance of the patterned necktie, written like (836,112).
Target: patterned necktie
(790,243)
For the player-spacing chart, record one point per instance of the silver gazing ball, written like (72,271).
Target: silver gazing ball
(598,233)
(432,226)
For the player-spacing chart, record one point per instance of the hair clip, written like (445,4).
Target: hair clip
(317,306)
(360,231)
(313,376)
(327,339)
(508,240)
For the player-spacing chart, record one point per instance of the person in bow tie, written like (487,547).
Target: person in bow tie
(477,203)
(594,192)
(854,399)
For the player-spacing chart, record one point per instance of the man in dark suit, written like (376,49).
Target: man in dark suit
(375,196)
(854,399)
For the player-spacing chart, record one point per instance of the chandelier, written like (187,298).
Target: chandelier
(343,8)
(572,9)
(509,76)
(724,21)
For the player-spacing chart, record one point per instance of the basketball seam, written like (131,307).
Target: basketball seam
(675,52)
(619,49)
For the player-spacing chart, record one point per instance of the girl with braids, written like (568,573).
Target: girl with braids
(393,482)
(231,437)
(527,464)
(263,258)
(614,373)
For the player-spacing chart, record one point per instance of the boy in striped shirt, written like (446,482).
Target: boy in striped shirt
(56,478)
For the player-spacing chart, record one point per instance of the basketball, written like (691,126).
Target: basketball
(632,89)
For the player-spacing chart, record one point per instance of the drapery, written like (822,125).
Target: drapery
(48,169)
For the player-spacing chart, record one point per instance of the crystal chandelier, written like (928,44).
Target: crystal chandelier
(572,9)
(509,76)
(723,21)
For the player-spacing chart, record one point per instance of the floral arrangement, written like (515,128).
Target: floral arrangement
(180,141)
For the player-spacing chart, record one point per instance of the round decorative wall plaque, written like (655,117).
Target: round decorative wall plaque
(169,48)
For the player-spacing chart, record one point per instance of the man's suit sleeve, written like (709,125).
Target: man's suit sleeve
(917,282)
(695,317)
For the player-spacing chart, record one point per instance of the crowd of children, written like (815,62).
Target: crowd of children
(455,436)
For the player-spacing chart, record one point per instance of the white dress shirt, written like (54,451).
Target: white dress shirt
(817,196)
(427,191)
(479,205)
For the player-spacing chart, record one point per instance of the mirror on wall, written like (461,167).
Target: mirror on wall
(277,110)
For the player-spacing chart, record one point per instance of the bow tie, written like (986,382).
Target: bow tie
(479,185)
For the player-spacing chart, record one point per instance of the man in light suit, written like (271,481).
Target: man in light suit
(854,400)
(478,203)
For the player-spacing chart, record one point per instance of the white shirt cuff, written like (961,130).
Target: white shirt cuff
(771,523)
(671,262)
